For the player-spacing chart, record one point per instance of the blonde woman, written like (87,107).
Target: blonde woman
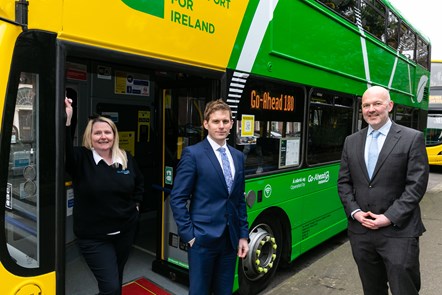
(108,188)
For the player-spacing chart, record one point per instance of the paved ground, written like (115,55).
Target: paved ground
(335,273)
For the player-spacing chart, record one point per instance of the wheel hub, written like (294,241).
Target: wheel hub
(262,252)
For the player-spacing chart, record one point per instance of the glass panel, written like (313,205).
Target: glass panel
(373,18)
(406,116)
(392,30)
(407,42)
(268,124)
(346,8)
(330,121)
(434,129)
(22,213)
(436,74)
(422,53)
(263,151)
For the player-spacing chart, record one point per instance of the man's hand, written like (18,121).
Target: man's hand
(371,220)
(243,248)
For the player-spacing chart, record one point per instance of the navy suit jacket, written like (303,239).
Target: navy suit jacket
(398,183)
(200,180)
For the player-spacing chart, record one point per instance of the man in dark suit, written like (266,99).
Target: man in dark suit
(215,223)
(384,218)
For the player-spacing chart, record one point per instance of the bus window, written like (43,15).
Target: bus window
(406,116)
(373,18)
(22,215)
(381,22)
(330,121)
(344,8)
(423,57)
(392,30)
(434,130)
(267,149)
(436,74)
(407,41)
(269,125)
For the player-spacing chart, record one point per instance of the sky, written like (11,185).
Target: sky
(424,15)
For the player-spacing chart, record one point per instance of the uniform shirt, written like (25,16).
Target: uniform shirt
(105,196)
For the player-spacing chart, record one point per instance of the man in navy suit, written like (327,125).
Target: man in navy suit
(384,218)
(215,223)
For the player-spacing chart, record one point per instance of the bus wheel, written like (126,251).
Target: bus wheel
(257,269)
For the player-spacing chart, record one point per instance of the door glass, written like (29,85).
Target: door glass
(22,192)
(183,125)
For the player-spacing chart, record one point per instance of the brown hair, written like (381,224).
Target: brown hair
(216,105)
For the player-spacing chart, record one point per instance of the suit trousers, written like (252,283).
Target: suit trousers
(386,261)
(106,258)
(212,269)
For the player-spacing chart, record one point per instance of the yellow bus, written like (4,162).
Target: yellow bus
(293,72)
(434,124)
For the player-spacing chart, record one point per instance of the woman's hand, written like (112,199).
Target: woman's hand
(69,110)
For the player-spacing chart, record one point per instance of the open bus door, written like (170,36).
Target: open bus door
(148,125)
(102,88)
(30,175)
(182,118)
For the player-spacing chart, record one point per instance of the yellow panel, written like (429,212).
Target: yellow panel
(7,9)
(178,36)
(14,285)
(8,36)
(45,15)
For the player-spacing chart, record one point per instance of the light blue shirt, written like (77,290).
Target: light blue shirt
(381,139)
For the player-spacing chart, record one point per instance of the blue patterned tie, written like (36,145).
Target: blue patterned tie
(226,168)
(373,152)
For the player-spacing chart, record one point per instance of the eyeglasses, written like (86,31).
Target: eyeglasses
(375,105)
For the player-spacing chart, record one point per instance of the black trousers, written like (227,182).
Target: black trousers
(106,258)
(386,262)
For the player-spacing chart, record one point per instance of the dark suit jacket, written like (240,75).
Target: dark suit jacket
(200,179)
(398,184)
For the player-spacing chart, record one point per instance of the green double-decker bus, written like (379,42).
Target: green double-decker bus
(294,80)
(293,72)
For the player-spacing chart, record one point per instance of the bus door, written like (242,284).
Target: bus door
(182,111)
(125,95)
(30,178)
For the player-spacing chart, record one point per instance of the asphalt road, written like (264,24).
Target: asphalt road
(329,269)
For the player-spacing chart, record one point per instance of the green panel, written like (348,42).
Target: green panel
(315,39)
(310,200)
(309,44)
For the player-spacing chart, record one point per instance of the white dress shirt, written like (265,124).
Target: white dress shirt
(215,148)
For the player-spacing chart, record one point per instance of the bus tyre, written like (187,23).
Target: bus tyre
(265,245)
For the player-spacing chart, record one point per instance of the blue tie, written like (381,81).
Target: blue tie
(373,152)
(226,168)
